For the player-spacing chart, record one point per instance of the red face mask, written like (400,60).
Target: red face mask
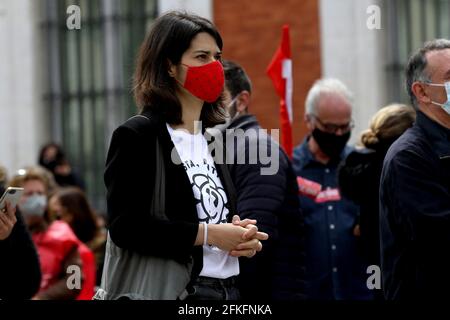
(205,82)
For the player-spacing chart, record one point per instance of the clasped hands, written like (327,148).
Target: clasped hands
(240,238)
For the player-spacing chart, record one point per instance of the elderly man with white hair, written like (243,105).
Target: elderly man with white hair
(334,266)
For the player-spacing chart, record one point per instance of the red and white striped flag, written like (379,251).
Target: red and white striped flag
(280,71)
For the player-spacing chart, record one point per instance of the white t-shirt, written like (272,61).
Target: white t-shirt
(210,197)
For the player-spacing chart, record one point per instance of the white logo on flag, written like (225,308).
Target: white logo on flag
(287,74)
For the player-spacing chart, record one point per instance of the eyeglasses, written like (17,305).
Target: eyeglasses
(333,128)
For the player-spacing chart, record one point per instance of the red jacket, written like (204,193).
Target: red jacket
(53,246)
(89,272)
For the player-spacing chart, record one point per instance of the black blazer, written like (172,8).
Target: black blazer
(129,179)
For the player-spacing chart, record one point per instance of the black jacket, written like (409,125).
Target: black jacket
(415,213)
(277,272)
(359,180)
(20,273)
(129,179)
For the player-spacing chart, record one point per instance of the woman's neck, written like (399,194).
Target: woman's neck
(191,108)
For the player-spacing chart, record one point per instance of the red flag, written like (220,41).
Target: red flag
(280,71)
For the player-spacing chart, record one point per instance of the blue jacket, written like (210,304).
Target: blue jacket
(334,268)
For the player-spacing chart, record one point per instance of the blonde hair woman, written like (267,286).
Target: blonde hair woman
(359,176)
(387,125)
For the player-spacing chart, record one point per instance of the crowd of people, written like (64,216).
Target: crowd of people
(54,236)
(189,222)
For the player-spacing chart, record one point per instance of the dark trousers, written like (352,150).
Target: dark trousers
(204,288)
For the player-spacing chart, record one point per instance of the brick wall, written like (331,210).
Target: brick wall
(251,31)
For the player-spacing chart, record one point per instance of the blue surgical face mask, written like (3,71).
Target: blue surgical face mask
(34,205)
(446,105)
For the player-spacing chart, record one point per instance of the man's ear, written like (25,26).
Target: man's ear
(308,121)
(243,101)
(418,90)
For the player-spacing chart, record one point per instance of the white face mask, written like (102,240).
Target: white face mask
(446,105)
(35,205)
(228,107)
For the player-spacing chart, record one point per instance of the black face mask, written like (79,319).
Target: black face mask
(331,144)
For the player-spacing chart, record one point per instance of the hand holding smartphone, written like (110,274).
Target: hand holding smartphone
(8,203)
(11,195)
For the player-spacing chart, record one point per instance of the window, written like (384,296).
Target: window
(90,72)
(410,24)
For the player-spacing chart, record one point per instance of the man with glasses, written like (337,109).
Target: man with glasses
(334,267)
(415,186)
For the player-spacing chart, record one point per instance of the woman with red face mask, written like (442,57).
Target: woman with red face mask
(178,84)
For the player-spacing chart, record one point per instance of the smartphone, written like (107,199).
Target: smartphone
(11,195)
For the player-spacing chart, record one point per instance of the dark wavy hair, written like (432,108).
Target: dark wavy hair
(84,223)
(169,37)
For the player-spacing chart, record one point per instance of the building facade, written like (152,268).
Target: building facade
(73,87)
